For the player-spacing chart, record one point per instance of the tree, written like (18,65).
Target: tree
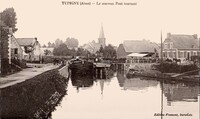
(71,43)
(49,44)
(8,17)
(47,52)
(61,50)
(58,42)
(44,46)
(108,51)
(53,45)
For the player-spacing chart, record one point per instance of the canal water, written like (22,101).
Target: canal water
(116,97)
(122,98)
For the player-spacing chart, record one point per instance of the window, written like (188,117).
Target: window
(15,51)
(171,45)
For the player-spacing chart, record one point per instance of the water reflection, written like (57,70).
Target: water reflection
(180,92)
(112,96)
(134,83)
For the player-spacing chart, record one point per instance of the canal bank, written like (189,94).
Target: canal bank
(25,74)
(33,97)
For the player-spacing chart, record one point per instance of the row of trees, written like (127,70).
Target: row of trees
(70,42)
(107,52)
(63,50)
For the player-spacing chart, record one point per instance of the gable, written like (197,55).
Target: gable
(182,41)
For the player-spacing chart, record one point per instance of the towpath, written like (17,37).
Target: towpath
(25,74)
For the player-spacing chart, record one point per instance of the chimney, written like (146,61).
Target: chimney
(195,36)
(168,35)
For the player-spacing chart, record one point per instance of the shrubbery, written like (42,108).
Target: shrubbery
(174,68)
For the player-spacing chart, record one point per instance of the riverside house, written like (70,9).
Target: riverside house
(133,50)
(31,49)
(180,46)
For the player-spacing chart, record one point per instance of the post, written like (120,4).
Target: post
(199,57)
(0,46)
(101,73)
(161,54)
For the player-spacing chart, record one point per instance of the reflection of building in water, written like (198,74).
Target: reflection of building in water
(180,92)
(134,83)
(101,86)
(121,78)
(138,84)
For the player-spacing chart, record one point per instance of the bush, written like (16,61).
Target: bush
(175,68)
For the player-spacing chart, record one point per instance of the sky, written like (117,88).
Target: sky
(49,19)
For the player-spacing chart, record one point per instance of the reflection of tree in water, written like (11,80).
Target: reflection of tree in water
(35,98)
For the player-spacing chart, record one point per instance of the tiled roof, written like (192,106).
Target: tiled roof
(137,46)
(183,41)
(26,41)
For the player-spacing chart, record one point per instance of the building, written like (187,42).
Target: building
(93,46)
(102,39)
(136,48)
(180,46)
(16,52)
(31,49)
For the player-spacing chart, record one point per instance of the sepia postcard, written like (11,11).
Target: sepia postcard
(99,59)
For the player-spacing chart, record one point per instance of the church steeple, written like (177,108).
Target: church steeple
(101,35)
(102,39)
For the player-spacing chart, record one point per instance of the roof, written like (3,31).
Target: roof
(92,47)
(26,41)
(183,41)
(137,46)
(136,55)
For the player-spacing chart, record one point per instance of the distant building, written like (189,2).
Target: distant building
(31,49)
(93,46)
(102,39)
(137,48)
(180,46)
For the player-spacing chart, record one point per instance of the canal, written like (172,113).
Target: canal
(113,98)
(122,98)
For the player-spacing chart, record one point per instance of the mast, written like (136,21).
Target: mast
(161,80)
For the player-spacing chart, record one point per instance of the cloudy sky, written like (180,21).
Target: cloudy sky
(49,19)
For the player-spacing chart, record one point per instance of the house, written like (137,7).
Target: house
(16,51)
(93,46)
(138,48)
(180,46)
(31,49)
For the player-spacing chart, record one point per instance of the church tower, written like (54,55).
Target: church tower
(102,39)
